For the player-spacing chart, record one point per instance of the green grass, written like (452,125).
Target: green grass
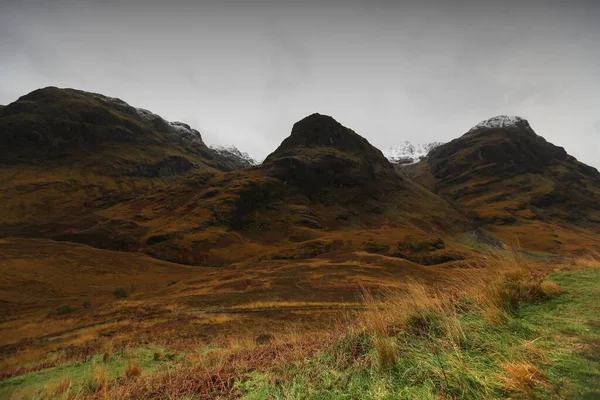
(81,374)
(561,337)
(568,328)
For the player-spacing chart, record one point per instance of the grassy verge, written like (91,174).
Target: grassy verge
(548,348)
(568,332)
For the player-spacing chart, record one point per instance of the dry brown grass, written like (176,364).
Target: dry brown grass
(413,307)
(521,377)
(418,306)
(495,287)
(99,379)
(589,259)
(502,280)
(61,388)
(387,352)
(418,310)
(133,370)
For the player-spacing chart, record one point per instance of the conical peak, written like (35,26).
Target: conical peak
(319,130)
(323,131)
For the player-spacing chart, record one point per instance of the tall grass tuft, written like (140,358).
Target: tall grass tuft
(506,280)
(419,309)
(588,259)
(521,377)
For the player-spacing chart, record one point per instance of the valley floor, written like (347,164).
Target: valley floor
(410,347)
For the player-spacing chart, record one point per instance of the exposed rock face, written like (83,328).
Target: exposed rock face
(52,123)
(235,157)
(321,153)
(322,131)
(502,147)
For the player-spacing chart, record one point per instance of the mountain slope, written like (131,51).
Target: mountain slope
(324,190)
(66,154)
(102,134)
(507,178)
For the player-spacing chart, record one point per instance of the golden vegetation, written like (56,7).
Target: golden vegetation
(395,320)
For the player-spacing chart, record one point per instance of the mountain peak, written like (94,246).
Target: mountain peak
(511,148)
(239,159)
(318,130)
(322,153)
(501,121)
(323,131)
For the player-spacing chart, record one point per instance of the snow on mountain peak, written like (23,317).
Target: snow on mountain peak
(500,121)
(232,152)
(407,153)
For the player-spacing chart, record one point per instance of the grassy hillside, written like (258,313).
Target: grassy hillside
(137,263)
(506,331)
(82,167)
(516,186)
(66,154)
(63,301)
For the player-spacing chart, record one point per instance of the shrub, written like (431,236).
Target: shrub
(87,304)
(120,293)
(373,247)
(264,338)
(64,309)
(158,355)
(133,371)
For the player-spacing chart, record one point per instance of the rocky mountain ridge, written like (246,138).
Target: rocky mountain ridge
(238,158)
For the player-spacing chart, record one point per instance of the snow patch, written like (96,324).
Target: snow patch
(500,121)
(408,153)
(233,152)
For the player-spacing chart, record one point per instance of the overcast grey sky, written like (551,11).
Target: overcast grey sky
(243,72)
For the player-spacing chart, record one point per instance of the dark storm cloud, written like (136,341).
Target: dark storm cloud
(243,72)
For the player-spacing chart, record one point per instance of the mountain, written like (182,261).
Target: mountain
(87,168)
(511,181)
(324,190)
(101,134)
(236,158)
(406,153)
(66,154)
(321,153)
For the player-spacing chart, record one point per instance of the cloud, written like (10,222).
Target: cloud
(244,72)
